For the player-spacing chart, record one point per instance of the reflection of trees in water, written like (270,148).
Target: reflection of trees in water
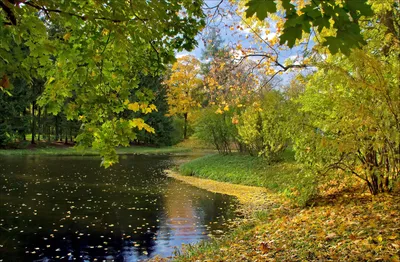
(179,211)
(70,207)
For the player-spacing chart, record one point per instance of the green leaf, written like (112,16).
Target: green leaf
(261,8)
(333,44)
(361,6)
(289,7)
(290,34)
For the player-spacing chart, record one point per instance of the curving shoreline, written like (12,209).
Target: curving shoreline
(251,198)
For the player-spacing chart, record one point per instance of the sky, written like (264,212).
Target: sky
(244,37)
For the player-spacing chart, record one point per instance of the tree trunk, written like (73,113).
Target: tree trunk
(33,122)
(39,113)
(57,129)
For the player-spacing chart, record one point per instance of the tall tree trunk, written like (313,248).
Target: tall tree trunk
(33,122)
(57,128)
(185,115)
(24,120)
(39,113)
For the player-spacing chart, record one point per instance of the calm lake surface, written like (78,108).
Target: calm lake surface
(70,208)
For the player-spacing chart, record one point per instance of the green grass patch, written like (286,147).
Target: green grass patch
(245,170)
(71,151)
(284,177)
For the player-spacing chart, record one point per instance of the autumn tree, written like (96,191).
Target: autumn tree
(351,108)
(183,88)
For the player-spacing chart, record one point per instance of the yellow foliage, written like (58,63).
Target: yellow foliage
(67,36)
(183,85)
(134,106)
(140,124)
(219,111)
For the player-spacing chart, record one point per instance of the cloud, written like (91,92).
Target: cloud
(181,54)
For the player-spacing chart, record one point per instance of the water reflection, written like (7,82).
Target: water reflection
(68,208)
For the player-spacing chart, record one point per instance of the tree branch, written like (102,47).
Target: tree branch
(275,60)
(10,14)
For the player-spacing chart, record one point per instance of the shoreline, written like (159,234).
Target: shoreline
(71,151)
(251,198)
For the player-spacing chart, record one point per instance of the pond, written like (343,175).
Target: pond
(69,208)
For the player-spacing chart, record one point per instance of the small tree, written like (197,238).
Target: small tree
(183,86)
(263,128)
(218,128)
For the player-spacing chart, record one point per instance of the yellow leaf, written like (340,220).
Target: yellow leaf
(134,106)
(379,238)
(105,32)
(51,79)
(140,124)
(153,107)
(219,111)
(67,36)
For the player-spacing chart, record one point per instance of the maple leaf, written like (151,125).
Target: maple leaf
(261,8)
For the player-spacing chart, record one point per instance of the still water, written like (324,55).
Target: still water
(71,209)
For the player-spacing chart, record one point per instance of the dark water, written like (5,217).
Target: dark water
(68,208)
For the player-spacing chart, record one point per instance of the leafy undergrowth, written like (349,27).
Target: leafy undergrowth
(71,151)
(350,227)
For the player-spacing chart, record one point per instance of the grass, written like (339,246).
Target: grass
(71,151)
(246,170)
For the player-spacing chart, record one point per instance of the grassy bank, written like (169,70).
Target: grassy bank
(283,177)
(342,225)
(71,151)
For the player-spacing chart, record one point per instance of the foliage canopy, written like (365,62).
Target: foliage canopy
(91,53)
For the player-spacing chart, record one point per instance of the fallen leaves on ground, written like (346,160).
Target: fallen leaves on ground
(346,227)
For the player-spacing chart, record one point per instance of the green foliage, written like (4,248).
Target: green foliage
(158,119)
(352,119)
(91,55)
(178,126)
(319,14)
(14,120)
(264,129)
(217,129)
(4,137)
(261,8)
